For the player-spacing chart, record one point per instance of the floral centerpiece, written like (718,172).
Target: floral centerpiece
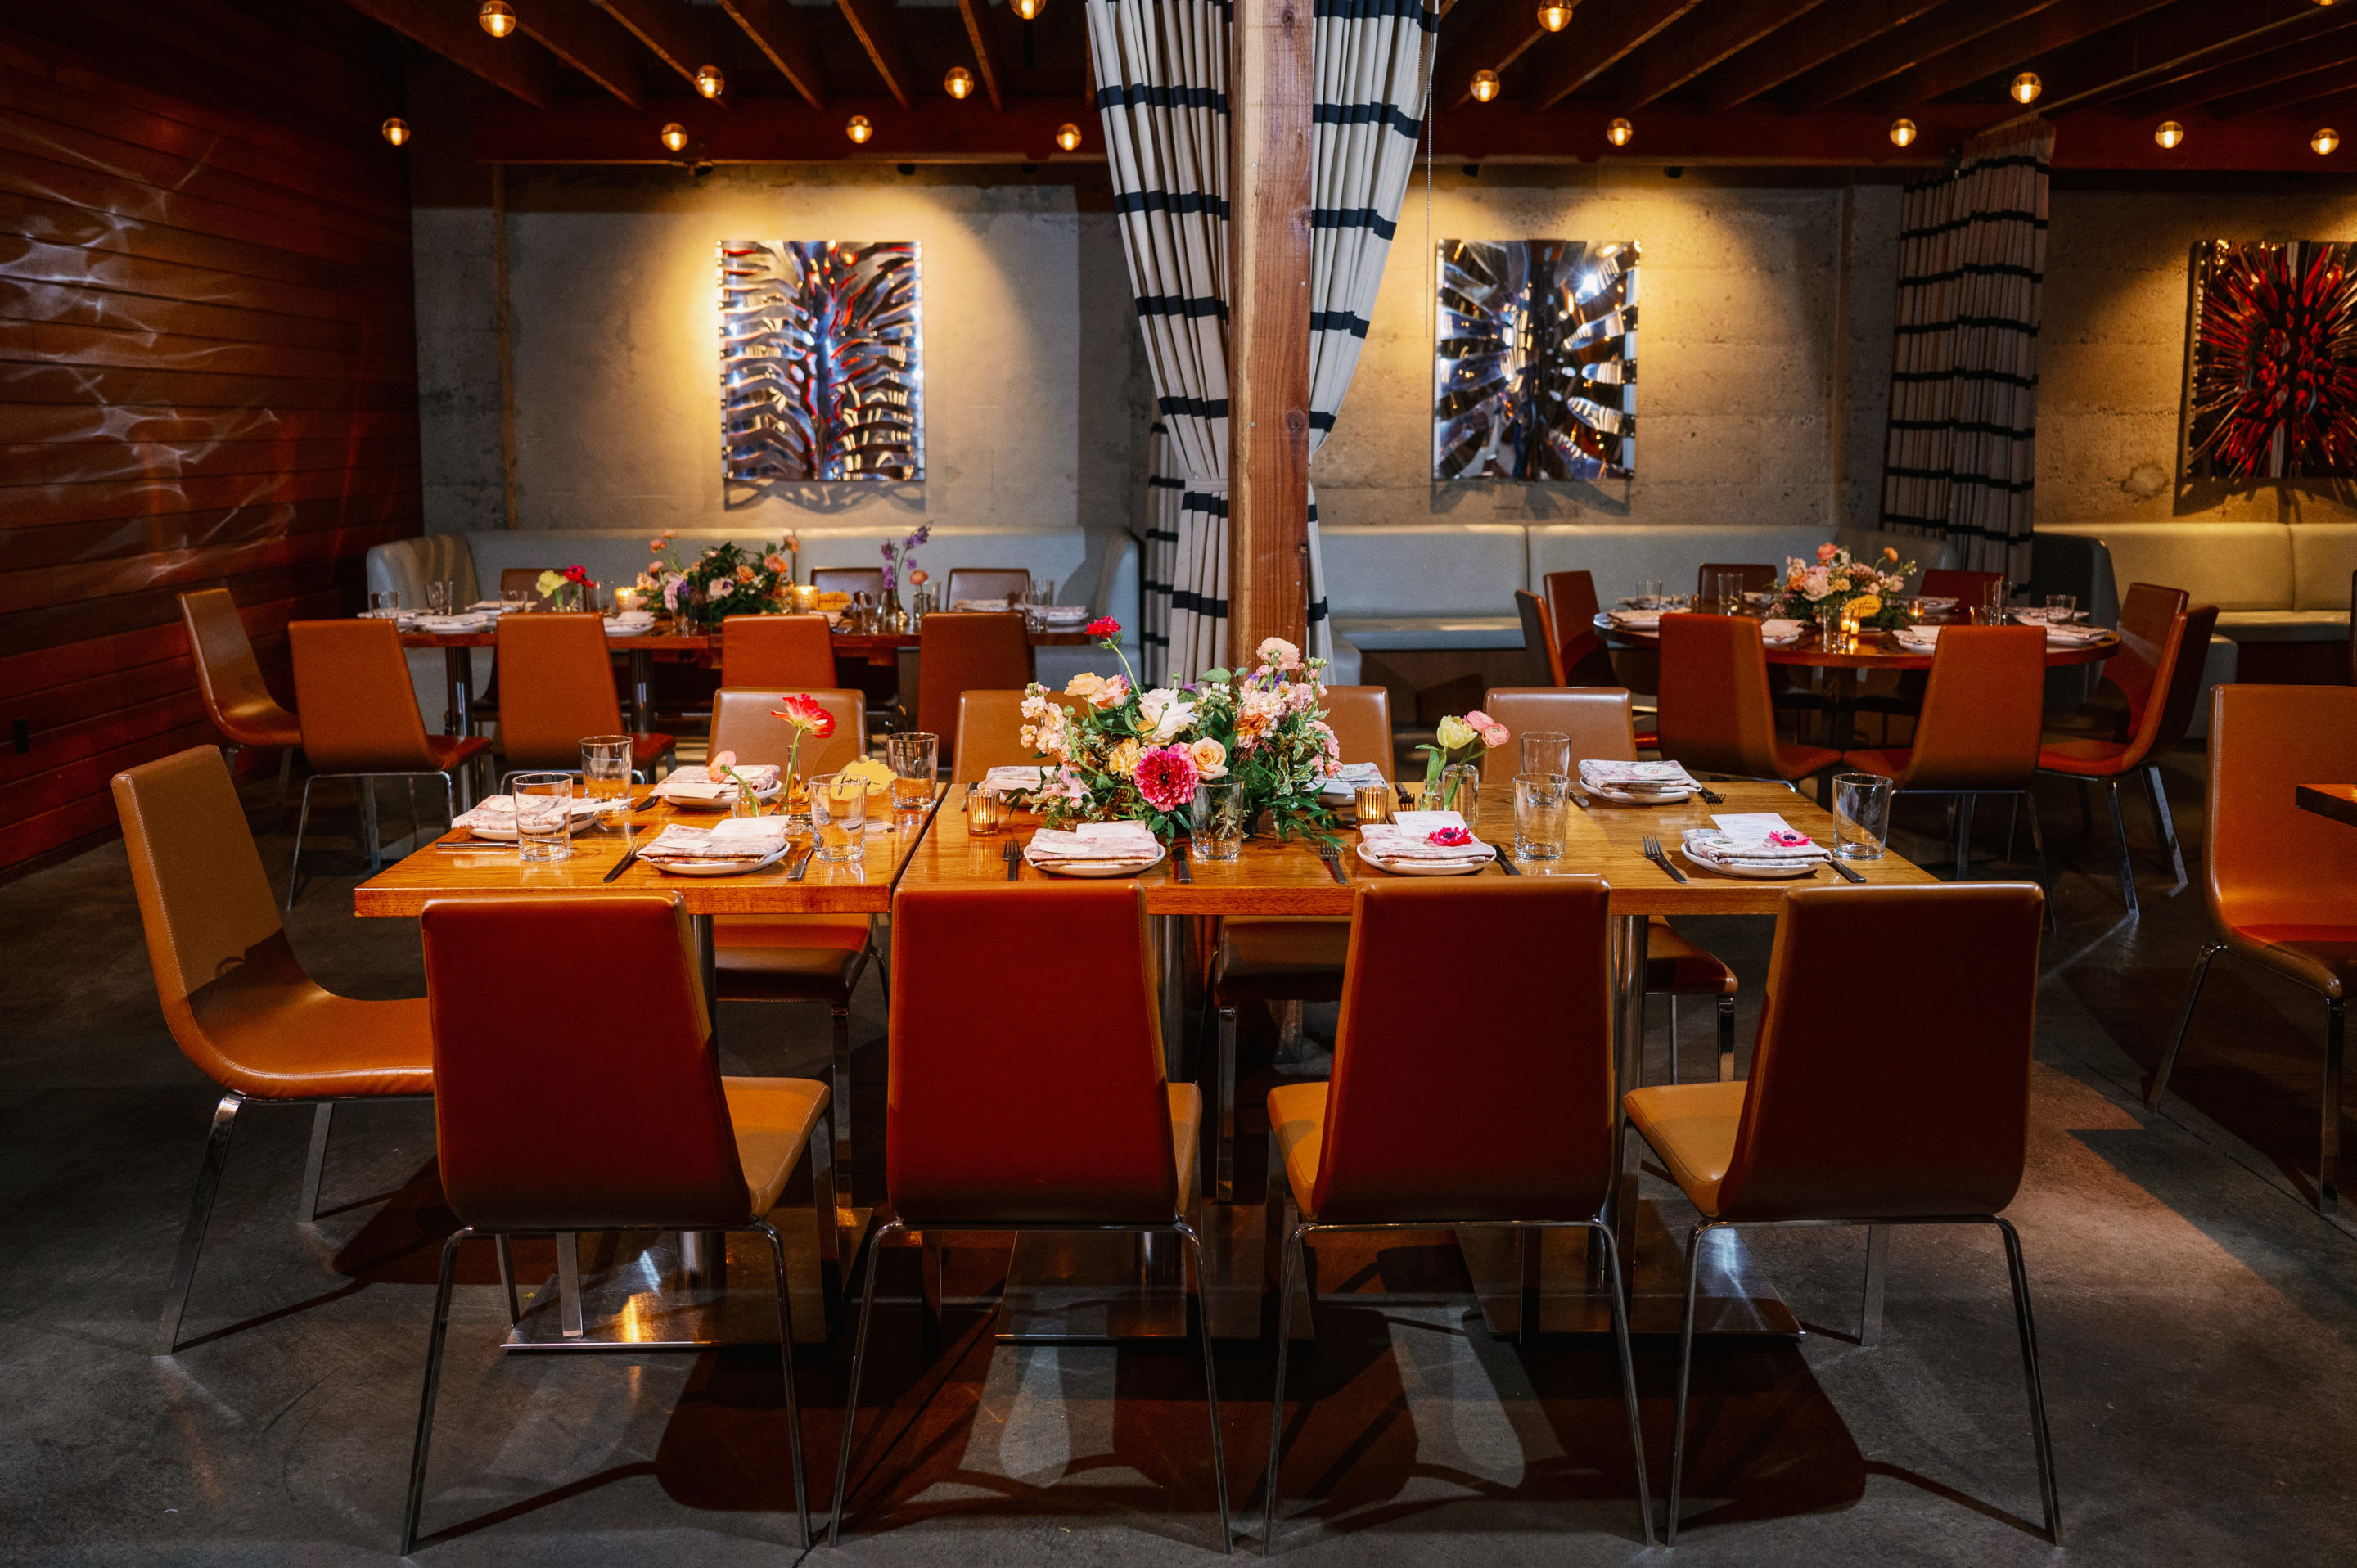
(900,558)
(726,580)
(808,716)
(568,590)
(1457,745)
(1120,754)
(1863,590)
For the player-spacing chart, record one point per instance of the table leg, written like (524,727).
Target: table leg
(642,680)
(458,682)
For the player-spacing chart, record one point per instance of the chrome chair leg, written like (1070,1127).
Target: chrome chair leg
(2328,1191)
(851,1395)
(1727,1039)
(433,1379)
(2048,1494)
(1877,1264)
(2045,872)
(1224,1152)
(1210,1386)
(839,1104)
(1628,1375)
(508,1279)
(1292,1252)
(1685,1374)
(370,830)
(2120,832)
(793,1408)
(200,1213)
(315,1166)
(1964,837)
(1674,1036)
(2164,826)
(295,860)
(2184,1022)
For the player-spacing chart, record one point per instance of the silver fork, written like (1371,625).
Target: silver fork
(1653,853)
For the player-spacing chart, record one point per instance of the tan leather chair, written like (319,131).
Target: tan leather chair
(558,683)
(229,679)
(1361,721)
(792,652)
(848,579)
(1542,650)
(959,650)
(1906,699)
(361,721)
(1516,1133)
(2277,878)
(986,583)
(525,580)
(1758,577)
(599,1107)
(989,734)
(235,997)
(1572,606)
(1717,714)
(1840,1125)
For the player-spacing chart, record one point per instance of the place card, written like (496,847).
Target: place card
(1751,824)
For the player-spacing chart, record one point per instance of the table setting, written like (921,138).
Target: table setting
(1425,844)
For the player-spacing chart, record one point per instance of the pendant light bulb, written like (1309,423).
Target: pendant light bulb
(1619,133)
(1902,132)
(396,131)
(958,83)
(859,130)
(497,18)
(1028,9)
(1485,85)
(2168,132)
(1068,136)
(1555,18)
(709,81)
(674,136)
(2324,141)
(2025,88)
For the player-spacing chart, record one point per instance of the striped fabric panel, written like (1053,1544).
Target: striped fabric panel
(1166,487)
(1960,454)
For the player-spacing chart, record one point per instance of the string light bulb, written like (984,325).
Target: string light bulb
(2168,132)
(1555,18)
(2025,88)
(709,81)
(2324,141)
(1902,132)
(1485,85)
(1028,9)
(675,135)
(1619,133)
(497,18)
(396,131)
(859,130)
(1068,136)
(958,83)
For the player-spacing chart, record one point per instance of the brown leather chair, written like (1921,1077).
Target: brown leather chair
(525,580)
(998,1124)
(1360,717)
(960,650)
(793,652)
(986,583)
(1516,1133)
(848,579)
(2277,878)
(1906,699)
(1717,716)
(1968,588)
(558,680)
(361,721)
(2161,704)
(563,1108)
(229,679)
(1572,606)
(1838,1127)
(1758,577)
(235,997)
(1983,708)
(1541,652)
(989,732)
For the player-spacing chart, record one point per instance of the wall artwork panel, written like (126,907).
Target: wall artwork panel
(2271,354)
(821,360)
(1535,360)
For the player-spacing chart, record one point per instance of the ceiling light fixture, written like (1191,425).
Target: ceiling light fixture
(1555,18)
(959,82)
(859,130)
(396,131)
(1618,132)
(2168,132)
(497,18)
(674,136)
(2324,141)
(1068,136)
(709,81)
(2025,88)
(1485,85)
(1902,132)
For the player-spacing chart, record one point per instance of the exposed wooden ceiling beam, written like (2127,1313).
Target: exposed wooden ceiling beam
(1840,26)
(1500,35)
(2276,65)
(1699,41)
(516,66)
(872,21)
(2336,73)
(785,37)
(1603,34)
(986,53)
(2190,39)
(678,35)
(2011,47)
(1901,49)
(591,43)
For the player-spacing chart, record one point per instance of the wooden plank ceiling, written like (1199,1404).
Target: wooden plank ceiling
(1756,82)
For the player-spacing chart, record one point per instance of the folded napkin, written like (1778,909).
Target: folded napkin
(497,813)
(1407,837)
(1636,617)
(637,623)
(1096,840)
(1012,780)
(1747,849)
(1780,630)
(694,786)
(1346,780)
(1063,612)
(983,604)
(1921,638)
(1597,774)
(446,626)
(2074,636)
(739,838)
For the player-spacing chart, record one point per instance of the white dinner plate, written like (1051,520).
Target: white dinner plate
(1092,868)
(1752,873)
(716,867)
(1428,867)
(1637,798)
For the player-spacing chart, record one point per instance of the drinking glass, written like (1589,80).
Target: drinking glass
(985,811)
(1861,815)
(1459,790)
(386,605)
(1726,589)
(1649,593)
(1829,629)
(1545,751)
(544,816)
(516,598)
(437,597)
(1216,822)
(606,775)
(1542,815)
(1374,803)
(1993,605)
(914,758)
(2061,608)
(839,816)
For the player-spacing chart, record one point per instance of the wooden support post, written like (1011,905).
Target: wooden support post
(1269,92)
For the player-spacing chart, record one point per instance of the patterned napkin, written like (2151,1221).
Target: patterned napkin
(1595,774)
(1012,780)
(497,813)
(1637,619)
(739,838)
(1780,630)
(1344,781)
(2074,636)
(1095,840)
(693,785)
(1408,837)
(1747,849)
(636,623)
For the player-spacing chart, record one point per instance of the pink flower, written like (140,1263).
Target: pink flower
(1167,776)
(1789,840)
(1495,736)
(1448,838)
(1493,733)
(717,769)
(1825,551)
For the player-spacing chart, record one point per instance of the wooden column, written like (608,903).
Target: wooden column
(1270,92)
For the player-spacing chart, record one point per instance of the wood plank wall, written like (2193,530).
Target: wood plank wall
(208,366)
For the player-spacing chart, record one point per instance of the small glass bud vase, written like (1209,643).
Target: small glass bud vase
(794,804)
(1458,790)
(1829,629)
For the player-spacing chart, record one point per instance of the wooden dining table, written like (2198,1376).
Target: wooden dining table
(2338,801)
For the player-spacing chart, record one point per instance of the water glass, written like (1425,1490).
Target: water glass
(544,816)
(1649,593)
(1542,815)
(985,811)
(1459,790)
(1374,803)
(839,816)
(2061,607)
(1829,629)
(1545,751)
(1727,590)
(437,597)
(385,605)
(1216,820)
(517,598)
(914,758)
(606,775)
(1861,815)
(1993,605)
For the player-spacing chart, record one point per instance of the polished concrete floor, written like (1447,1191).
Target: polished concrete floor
(2198,1324)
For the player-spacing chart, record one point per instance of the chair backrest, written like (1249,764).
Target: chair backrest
(1716,712)
(2263,860)
(1965,588)
(847,579)
(1542,655)
(1858,1111)
(796,650)
(1571,605)
(229,677)
(999,1113)
(989,732)
(2352,626)
(1597,718)
(2147,615)
(214,939)
(989,650)
(1361,720)
(1983,707)
(2177,657)
(524,579)
(359,711)
(987,583)
(556,686)
(2184,678)
(1520,1125)
(1758,577)
(744,721)
(559,1106)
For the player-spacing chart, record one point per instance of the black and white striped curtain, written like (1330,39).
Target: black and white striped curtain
(1165,485)
(1959,457)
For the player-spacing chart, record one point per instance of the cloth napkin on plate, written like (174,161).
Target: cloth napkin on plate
(1597,774)
(691,785)
(1407,837)
(739,838)
(2074,636)
(448,625)
(987,606)
(1637,619)
(1345,781)
(1096,840)
(497,813)
(1777,631)
(1921,639)
(636,623)
(1012,780)
(1747,849)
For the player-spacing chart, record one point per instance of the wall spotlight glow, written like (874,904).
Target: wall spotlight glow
(674,136)
(2168,132)
(396,131)
(709,81)
(1619,133)
(1485,85)
(497,18)
(859,130)
(959,82)
(2025,88)
(1902,132)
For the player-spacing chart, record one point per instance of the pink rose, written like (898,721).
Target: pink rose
(1494,737)
(1824,551)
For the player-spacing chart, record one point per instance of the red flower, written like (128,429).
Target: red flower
(1450,838)
(578,575)
(806,713)
(1105,625)
(1167,776)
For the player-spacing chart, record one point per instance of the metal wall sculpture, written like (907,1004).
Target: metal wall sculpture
(2272,362)
(1535,360)
(821,360)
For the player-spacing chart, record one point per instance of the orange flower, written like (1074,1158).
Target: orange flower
(806,713)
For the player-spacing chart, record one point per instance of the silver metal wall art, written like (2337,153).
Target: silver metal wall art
(821,360)
(1535,360)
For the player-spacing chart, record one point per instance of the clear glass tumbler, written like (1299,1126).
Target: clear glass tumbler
(386,605)
(1649,593)
(1542,815)
(1726,592)
(544,816)
(914,757)
(1545,751)
(1861,815)
(2062,609)
(1216,820)
(839,816)
(985,811)
(606,777)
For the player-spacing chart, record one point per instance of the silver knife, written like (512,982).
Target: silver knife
(1179,865)
(623,865)
(802,862)
(1842,866)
